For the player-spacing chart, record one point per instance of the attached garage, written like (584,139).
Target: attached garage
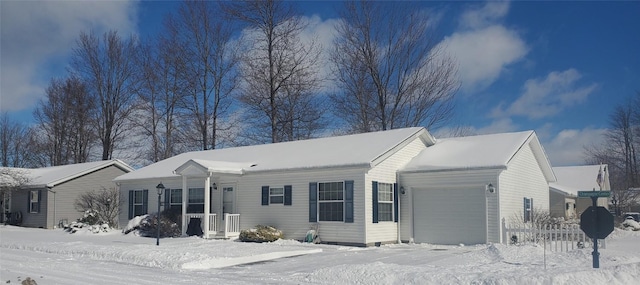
(449,216)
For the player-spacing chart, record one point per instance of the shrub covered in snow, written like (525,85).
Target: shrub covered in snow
(146,226)
(74,227)
(261,234)
(630,224)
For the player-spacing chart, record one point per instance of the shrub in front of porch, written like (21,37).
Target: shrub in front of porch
(261,234)
(148,227)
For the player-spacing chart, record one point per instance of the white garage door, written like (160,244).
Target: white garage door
(449,216)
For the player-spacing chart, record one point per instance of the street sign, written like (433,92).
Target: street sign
(596,222)
(584,194)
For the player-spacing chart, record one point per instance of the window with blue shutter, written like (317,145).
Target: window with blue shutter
(138,203)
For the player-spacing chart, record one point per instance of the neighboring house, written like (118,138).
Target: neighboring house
(49,195)
(460,189)
(350,187)
(564,201)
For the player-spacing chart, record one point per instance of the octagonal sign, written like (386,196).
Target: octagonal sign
(596,222)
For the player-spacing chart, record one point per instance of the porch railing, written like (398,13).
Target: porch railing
(213,222)
(231,225)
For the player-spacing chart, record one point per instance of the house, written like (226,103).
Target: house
(49,194)
(362,189)
(461,189)
(571,179)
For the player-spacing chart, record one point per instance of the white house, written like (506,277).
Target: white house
(460,189)
(358,189)
(570,180)
(48,195)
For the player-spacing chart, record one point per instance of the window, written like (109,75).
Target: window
(174,198)
(528,209)
(34,201)
(138,203)
(385,202)
(196,200)
(276,195)
(331,201)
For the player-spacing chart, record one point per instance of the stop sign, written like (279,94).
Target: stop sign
(596,222)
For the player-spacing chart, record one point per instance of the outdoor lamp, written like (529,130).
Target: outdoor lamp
(491,188)
(160,189)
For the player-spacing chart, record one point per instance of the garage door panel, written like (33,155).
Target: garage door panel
(449,216)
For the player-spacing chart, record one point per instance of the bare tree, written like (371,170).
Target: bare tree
(391,72)
(105,203)
(200,40)
(279,72)
(108,68)
(620,152)
(64,120)
(16,143)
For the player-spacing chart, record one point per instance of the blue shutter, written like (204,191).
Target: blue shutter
(287,195)
(348,201)
(374,197)
(265,195)
(145,201)
(313,202)
(395,202)
(130,204)
(39,200)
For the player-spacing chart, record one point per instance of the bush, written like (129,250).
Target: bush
(631,225)
(148,227)
(261,234)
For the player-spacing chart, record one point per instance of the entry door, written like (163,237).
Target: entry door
(228,199)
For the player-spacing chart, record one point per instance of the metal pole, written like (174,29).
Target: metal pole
(596,255)
(158,221)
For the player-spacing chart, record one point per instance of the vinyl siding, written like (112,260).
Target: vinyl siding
(386,172)
(462,179)
(522,178)
(19,203)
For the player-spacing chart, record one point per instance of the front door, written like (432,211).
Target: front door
(228,198)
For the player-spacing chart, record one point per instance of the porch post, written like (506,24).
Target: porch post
(207,204)
(185,196)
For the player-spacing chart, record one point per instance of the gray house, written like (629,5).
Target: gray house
(48,197)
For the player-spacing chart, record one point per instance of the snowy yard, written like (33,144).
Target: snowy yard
(57,257)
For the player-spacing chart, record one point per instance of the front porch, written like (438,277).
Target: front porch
(216,215)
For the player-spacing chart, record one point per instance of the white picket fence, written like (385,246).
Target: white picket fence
(557,237)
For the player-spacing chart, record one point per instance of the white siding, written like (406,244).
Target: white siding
(386,172)
(522,178)
(464,179)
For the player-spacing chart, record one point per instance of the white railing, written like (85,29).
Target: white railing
(557,237)
(231,225)
(213,222)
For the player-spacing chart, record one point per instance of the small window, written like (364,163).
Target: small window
(385,202)
(196,200)
(175,198)
(138,203)
(276,195)
(528,210)
(34,202)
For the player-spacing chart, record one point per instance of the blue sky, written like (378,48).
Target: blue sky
(554,67)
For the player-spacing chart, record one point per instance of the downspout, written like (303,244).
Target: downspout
(399,214)
(54,205)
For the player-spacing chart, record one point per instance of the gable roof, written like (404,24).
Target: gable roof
(493,151)
(55,175)
(361,150)
(572,179)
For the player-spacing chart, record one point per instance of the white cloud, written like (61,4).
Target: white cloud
(484,16)
(37,34)
(549,96)
(483,47)
(567,146)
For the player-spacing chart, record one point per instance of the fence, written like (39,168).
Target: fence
(556,237)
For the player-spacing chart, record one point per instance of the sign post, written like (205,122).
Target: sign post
(596,222)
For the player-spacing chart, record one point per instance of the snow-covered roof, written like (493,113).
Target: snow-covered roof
(478,152)
(54,175)
(572,179)
(363,150)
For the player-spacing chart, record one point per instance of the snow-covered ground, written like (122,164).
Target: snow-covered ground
(57,257)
